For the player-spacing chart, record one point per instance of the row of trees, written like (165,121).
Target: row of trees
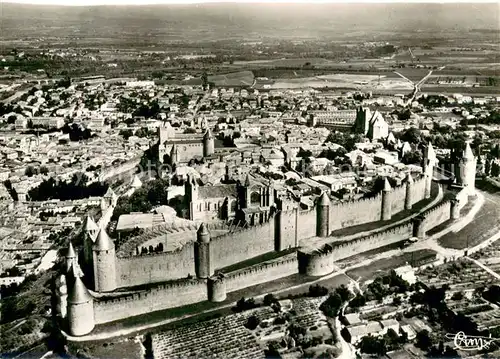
(150,195)
(77,188)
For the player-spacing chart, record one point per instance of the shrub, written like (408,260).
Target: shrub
(252,322)
(317,290)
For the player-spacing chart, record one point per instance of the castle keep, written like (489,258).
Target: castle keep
(200,269)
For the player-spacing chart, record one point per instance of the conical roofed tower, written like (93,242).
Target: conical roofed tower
(71,257)
(80,309)
(203,235)
(202,257)
(467,170)
(386,200)
(104,261)
(323,216)
(208,143)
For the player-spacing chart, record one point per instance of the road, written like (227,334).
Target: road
(416,86)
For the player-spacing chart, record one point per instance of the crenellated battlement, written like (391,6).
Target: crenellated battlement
(260,268)
(157,290)
(439,207)
(187,246)
(129,248)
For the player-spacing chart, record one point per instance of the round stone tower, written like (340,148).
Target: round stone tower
(386,201)
(217,289)
(208,144)
(70,257)
(419,227)
(80,309)
(174,155)
(430,161)
(90,233)
(467,170)
(323,213)
(409,192)
(454,209)
(104,263)
(202,253)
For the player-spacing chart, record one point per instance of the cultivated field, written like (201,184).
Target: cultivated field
(346,81)
(242,78)
(224,337)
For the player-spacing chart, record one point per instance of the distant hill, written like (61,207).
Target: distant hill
(241,21)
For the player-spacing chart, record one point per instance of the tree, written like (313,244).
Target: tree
(457,296)
(189,130)
(273,350)
(204,80)
(30,171)
(423,340)
(404,116)
(358,301)
(269,299)
(343,292)
(331,306)
(495,170)
(252,322)
(487,167)
(412,136)
(317,290)
(372,345)
(495,151)
(11,119)
(304,153)
(412,158)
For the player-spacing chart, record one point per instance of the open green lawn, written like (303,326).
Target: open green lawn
(385,265)
(486,223)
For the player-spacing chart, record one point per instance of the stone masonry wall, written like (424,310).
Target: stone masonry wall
(160,298)
(239,246)
(353,213)
(261,273)
(137,270)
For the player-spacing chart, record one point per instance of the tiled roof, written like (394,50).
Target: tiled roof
(218,191)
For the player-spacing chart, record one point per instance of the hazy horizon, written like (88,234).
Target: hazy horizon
(197,2)
(213,21)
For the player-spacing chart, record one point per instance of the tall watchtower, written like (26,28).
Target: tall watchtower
(430,161)
(203,265)
(208,144)
(467,170)
(104,261)
(174,155)
(71,257)
(89,236)
(386,201)
(323,213)
(80,309)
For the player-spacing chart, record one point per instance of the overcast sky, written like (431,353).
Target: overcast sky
(147,2)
